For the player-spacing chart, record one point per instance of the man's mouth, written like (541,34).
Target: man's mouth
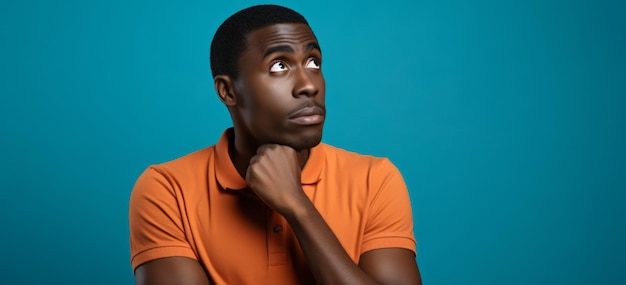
(308,116)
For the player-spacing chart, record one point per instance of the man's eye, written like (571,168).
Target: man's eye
(278,66)
(313,63)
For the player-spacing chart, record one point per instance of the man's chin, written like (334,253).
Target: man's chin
(305,142)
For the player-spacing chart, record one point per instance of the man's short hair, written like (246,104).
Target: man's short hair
(230,38)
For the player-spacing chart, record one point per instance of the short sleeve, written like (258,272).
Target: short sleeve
(156,224)
(390,218)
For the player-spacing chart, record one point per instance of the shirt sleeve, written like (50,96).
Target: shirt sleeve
(155,220)
(390,218)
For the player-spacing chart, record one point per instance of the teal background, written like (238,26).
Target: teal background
(507,119)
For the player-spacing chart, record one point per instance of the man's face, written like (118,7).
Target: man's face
(280,87)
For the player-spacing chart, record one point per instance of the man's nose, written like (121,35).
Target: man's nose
(304,83)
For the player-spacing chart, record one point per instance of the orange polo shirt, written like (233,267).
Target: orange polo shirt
(198,206)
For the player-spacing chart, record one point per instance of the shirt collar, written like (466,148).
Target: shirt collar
(228,177)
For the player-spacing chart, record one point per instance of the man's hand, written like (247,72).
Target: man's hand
(274,174)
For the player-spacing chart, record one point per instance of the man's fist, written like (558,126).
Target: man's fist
(274,175)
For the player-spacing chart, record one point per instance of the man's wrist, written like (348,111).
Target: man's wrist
(300,209)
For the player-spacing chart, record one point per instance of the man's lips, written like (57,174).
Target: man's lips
(308,116)
(307,111)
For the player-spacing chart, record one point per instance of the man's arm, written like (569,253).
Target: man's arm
(330,263)
(171,270)
(387,264)
(274,174)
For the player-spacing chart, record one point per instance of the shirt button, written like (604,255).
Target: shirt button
(277,228)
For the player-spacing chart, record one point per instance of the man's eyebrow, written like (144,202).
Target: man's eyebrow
(288,49)
(276,49)
(312,46)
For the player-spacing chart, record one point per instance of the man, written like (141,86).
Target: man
(269,203)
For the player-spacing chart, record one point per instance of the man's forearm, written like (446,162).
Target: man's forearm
(327,259)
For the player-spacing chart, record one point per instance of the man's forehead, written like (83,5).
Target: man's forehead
(281,34)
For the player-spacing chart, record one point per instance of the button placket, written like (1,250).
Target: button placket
(276,240)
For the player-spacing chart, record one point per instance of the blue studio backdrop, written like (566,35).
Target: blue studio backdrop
(506,118)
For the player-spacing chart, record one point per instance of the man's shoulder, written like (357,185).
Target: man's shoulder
(353,160)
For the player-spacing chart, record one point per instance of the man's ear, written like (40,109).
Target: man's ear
(224,86)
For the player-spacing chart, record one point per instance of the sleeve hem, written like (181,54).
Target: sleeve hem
(389,242)
(161,252)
